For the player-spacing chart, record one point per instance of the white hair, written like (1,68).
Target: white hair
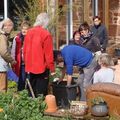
(42,20)
(5,21)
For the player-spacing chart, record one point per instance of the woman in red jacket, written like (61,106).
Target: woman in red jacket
(17,54)
(38,54)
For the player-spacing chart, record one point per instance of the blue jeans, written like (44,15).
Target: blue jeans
(22,78)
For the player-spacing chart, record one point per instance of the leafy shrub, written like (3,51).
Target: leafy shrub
(21,107)
(97,100)
(58,74)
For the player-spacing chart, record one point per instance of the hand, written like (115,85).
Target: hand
(69,80)
(68,84)
(14,62)
(52,73)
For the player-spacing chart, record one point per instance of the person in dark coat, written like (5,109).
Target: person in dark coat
(99,30)
(88,40)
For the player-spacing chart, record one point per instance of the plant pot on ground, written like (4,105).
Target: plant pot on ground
(99,107)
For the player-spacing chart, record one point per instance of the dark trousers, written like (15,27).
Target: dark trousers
(22,78)
(39,83)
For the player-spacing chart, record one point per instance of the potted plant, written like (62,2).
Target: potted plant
(99,107)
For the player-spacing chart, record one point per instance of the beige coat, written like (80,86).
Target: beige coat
(5,56)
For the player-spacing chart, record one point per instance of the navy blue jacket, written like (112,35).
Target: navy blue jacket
(101,33)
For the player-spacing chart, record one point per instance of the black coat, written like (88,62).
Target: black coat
(101,33)
(92,43)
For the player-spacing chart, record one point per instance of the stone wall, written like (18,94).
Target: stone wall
(78,18)
(114,22)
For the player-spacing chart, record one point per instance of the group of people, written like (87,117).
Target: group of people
(87,50)
(32,55)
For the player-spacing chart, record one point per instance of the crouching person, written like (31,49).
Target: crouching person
(73,55)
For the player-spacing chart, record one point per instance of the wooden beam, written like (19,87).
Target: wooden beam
(57,27)
(106,13)
(86,10)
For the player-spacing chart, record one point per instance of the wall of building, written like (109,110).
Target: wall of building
(114,22)
(78,18)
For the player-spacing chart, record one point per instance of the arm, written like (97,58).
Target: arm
(105,41)
(69,70)
(96,43)
(13,50)
(48,51)
(4,51)
(69,80)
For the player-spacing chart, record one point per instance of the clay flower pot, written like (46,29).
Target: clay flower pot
(1,110)
(51,103)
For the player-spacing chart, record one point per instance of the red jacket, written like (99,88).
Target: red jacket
(38,51)
(16,53)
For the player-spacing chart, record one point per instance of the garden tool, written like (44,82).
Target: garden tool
(30,87)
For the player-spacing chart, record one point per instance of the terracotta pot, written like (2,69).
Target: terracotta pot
(51,103)
(1,110)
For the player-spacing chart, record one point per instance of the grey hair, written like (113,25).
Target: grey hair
(105,59)
(2,23)
(5,21)
(42,20)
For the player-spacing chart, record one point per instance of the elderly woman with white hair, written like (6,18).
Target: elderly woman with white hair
(38,54)
(5,56)
(105,73)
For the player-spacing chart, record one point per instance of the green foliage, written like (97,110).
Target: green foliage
(114,117)
(97,100)
(32,10)
(21,107)
(58,74)
(12,84)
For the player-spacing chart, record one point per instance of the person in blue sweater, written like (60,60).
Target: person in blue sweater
(73,55)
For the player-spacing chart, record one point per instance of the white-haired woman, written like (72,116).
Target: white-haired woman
(38,54)
(105,73)
(5,56)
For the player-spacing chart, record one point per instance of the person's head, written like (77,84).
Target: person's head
(96,20)
(84,29)
(76,36)
(7,25)
(42,20)
(24,27)
(105,60)
(57,56)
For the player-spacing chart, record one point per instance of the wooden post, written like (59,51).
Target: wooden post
(106,13)
(57,27)
(86,10)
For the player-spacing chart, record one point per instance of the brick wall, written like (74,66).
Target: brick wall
(114,22)
(78,17)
